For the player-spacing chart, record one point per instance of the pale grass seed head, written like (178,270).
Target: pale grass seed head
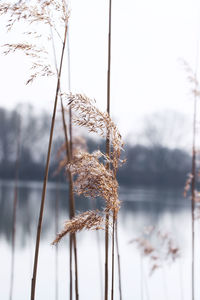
(79,145)
(40,66)
(45,12)
(89,220)
(94,179)
(88,115)
(159,247)
(52,13)
(192,78)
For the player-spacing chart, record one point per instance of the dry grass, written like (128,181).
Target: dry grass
(89,220)
(43,13)
(158,246)
(93,178)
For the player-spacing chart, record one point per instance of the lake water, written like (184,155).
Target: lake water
(165,209)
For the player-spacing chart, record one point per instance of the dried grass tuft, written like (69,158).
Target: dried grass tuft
(89,220)
(94,179)
(88,115)
(158,246)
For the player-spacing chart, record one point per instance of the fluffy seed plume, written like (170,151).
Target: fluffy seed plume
(45,12)
(79,144)
(94,179)
(40,66)
(158,246)
(88,115)
(89,220)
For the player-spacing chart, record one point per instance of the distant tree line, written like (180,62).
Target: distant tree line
(146,165)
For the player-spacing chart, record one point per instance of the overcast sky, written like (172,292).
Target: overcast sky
(148,40)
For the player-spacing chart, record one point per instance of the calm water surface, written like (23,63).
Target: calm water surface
(165,209)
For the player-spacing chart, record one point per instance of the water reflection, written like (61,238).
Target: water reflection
(162,208)
(139,203)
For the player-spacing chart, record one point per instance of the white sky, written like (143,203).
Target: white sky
(148,39)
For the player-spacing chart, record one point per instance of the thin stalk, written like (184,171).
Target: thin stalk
(68,155)
(146,284)
(70,147)
(113,257)
(71,177)
(141,277)
(70,268)
(99,257)
(100,263)
(181,280)
(108,149)
(39,228)
(15,200)
(165,289)
(72,209)
(193,184)
(118,260)
(56,231)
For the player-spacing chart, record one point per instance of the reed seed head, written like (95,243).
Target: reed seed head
(89,220)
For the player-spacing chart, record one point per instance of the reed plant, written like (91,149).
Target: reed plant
(51,13)
(43,13)
(108,154)
(191,181)
(68,149)
(114,221)
(94,178)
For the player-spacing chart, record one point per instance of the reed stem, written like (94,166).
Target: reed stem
(56,231)
(118,260)
(193,188)
(39,228)
(72,205)
(113,257)
(108,149)
(68,155)
(15,200)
